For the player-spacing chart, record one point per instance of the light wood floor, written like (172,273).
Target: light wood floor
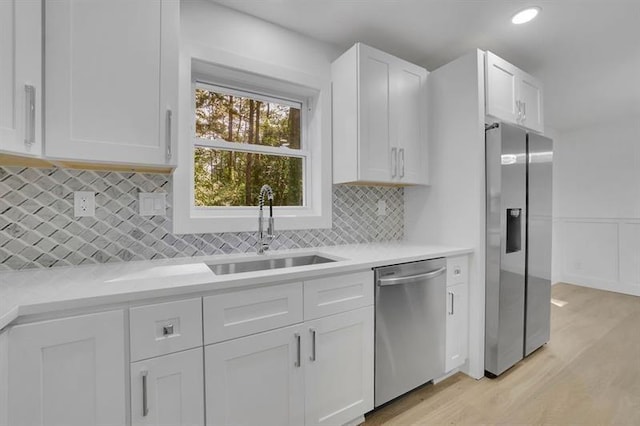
(588,374)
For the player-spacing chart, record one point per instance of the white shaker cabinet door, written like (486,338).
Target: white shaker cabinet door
(20,77)
(256,380)
(376,156)
(408,123)
(531,98)
(168,390)
(457,326)
(111,80)
(68,371)
(502,91)
(339,367)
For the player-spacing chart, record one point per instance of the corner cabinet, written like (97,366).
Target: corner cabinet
(379,119)
(112,81)
(513,95)
(68,371)
(20,77)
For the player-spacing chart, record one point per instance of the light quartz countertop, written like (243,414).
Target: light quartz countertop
(46,291)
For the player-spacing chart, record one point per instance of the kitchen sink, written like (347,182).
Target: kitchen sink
(267,263)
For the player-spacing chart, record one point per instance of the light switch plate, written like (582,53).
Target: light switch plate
(84,204)
(152,203)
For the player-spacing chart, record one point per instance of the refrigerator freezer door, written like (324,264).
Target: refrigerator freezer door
(505,269)
(538,290)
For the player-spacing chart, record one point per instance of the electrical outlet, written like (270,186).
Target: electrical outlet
(84,204)
(382,208)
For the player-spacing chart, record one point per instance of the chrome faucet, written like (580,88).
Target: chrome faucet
(265,240)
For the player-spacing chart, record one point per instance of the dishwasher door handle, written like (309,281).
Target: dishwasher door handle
(411,278)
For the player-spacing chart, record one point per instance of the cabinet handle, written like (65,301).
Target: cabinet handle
(394,162)
(313,344)
(167,330)
(453,298)
(145,406)
(524,112)
(297,363)
(168,133)
(30,114)
(401,155)
(519,113)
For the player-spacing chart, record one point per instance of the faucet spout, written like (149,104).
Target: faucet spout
(264,241)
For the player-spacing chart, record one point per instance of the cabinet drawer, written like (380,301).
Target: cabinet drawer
(231,315)
(457,270)
(340,293)
(165,328)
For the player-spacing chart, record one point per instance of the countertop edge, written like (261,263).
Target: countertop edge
(207,287)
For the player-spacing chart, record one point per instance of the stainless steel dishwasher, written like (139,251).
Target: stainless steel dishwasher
(410,326)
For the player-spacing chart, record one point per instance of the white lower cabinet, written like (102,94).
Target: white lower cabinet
(68,371)
(168,390)
(316,373)
(256,380)
(457,324)
(339,369)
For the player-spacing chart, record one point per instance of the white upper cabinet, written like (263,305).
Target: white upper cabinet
(379,119)
(20,77)
(513,95)
(111,78)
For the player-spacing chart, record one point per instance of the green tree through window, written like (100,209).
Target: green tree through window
(231,169)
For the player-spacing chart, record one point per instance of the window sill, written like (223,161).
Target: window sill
(217,224)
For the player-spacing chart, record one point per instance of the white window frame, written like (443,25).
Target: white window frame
(303,153)
(270,81)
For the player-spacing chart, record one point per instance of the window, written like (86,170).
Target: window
(239,130)
(244,140)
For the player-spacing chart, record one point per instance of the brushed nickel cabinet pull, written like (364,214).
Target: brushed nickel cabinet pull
(168,133)
(145,406)
(297,363)
(313,344)
(394,162)
(30,114)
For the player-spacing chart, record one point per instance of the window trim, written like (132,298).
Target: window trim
(282,83)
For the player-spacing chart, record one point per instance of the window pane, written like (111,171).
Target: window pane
(231,178)
(246,120)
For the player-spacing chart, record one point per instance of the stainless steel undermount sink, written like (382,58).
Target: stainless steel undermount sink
(267,263)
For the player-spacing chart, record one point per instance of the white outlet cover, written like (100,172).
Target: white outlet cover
(382,208)
(84,204)
(152,203)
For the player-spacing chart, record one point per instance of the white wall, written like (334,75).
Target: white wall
(451,210)
(597,206)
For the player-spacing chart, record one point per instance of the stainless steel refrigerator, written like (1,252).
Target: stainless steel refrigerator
(518,245)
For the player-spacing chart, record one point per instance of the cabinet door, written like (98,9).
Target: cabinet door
(502,89)
(531,98)
(256,380)
(20,77)
(68,372)
(377,162)
(408,112)
(457,326)
(168,390)
(111,80)
(339,367)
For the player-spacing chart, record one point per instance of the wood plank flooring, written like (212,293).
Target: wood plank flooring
(589,374)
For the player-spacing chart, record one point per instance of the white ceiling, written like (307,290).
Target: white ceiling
(586,52)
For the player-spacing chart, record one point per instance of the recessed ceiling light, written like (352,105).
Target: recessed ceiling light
(526,15)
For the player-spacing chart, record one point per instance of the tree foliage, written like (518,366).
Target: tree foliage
(234,178)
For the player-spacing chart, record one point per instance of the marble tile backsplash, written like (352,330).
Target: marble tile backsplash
(38,228)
